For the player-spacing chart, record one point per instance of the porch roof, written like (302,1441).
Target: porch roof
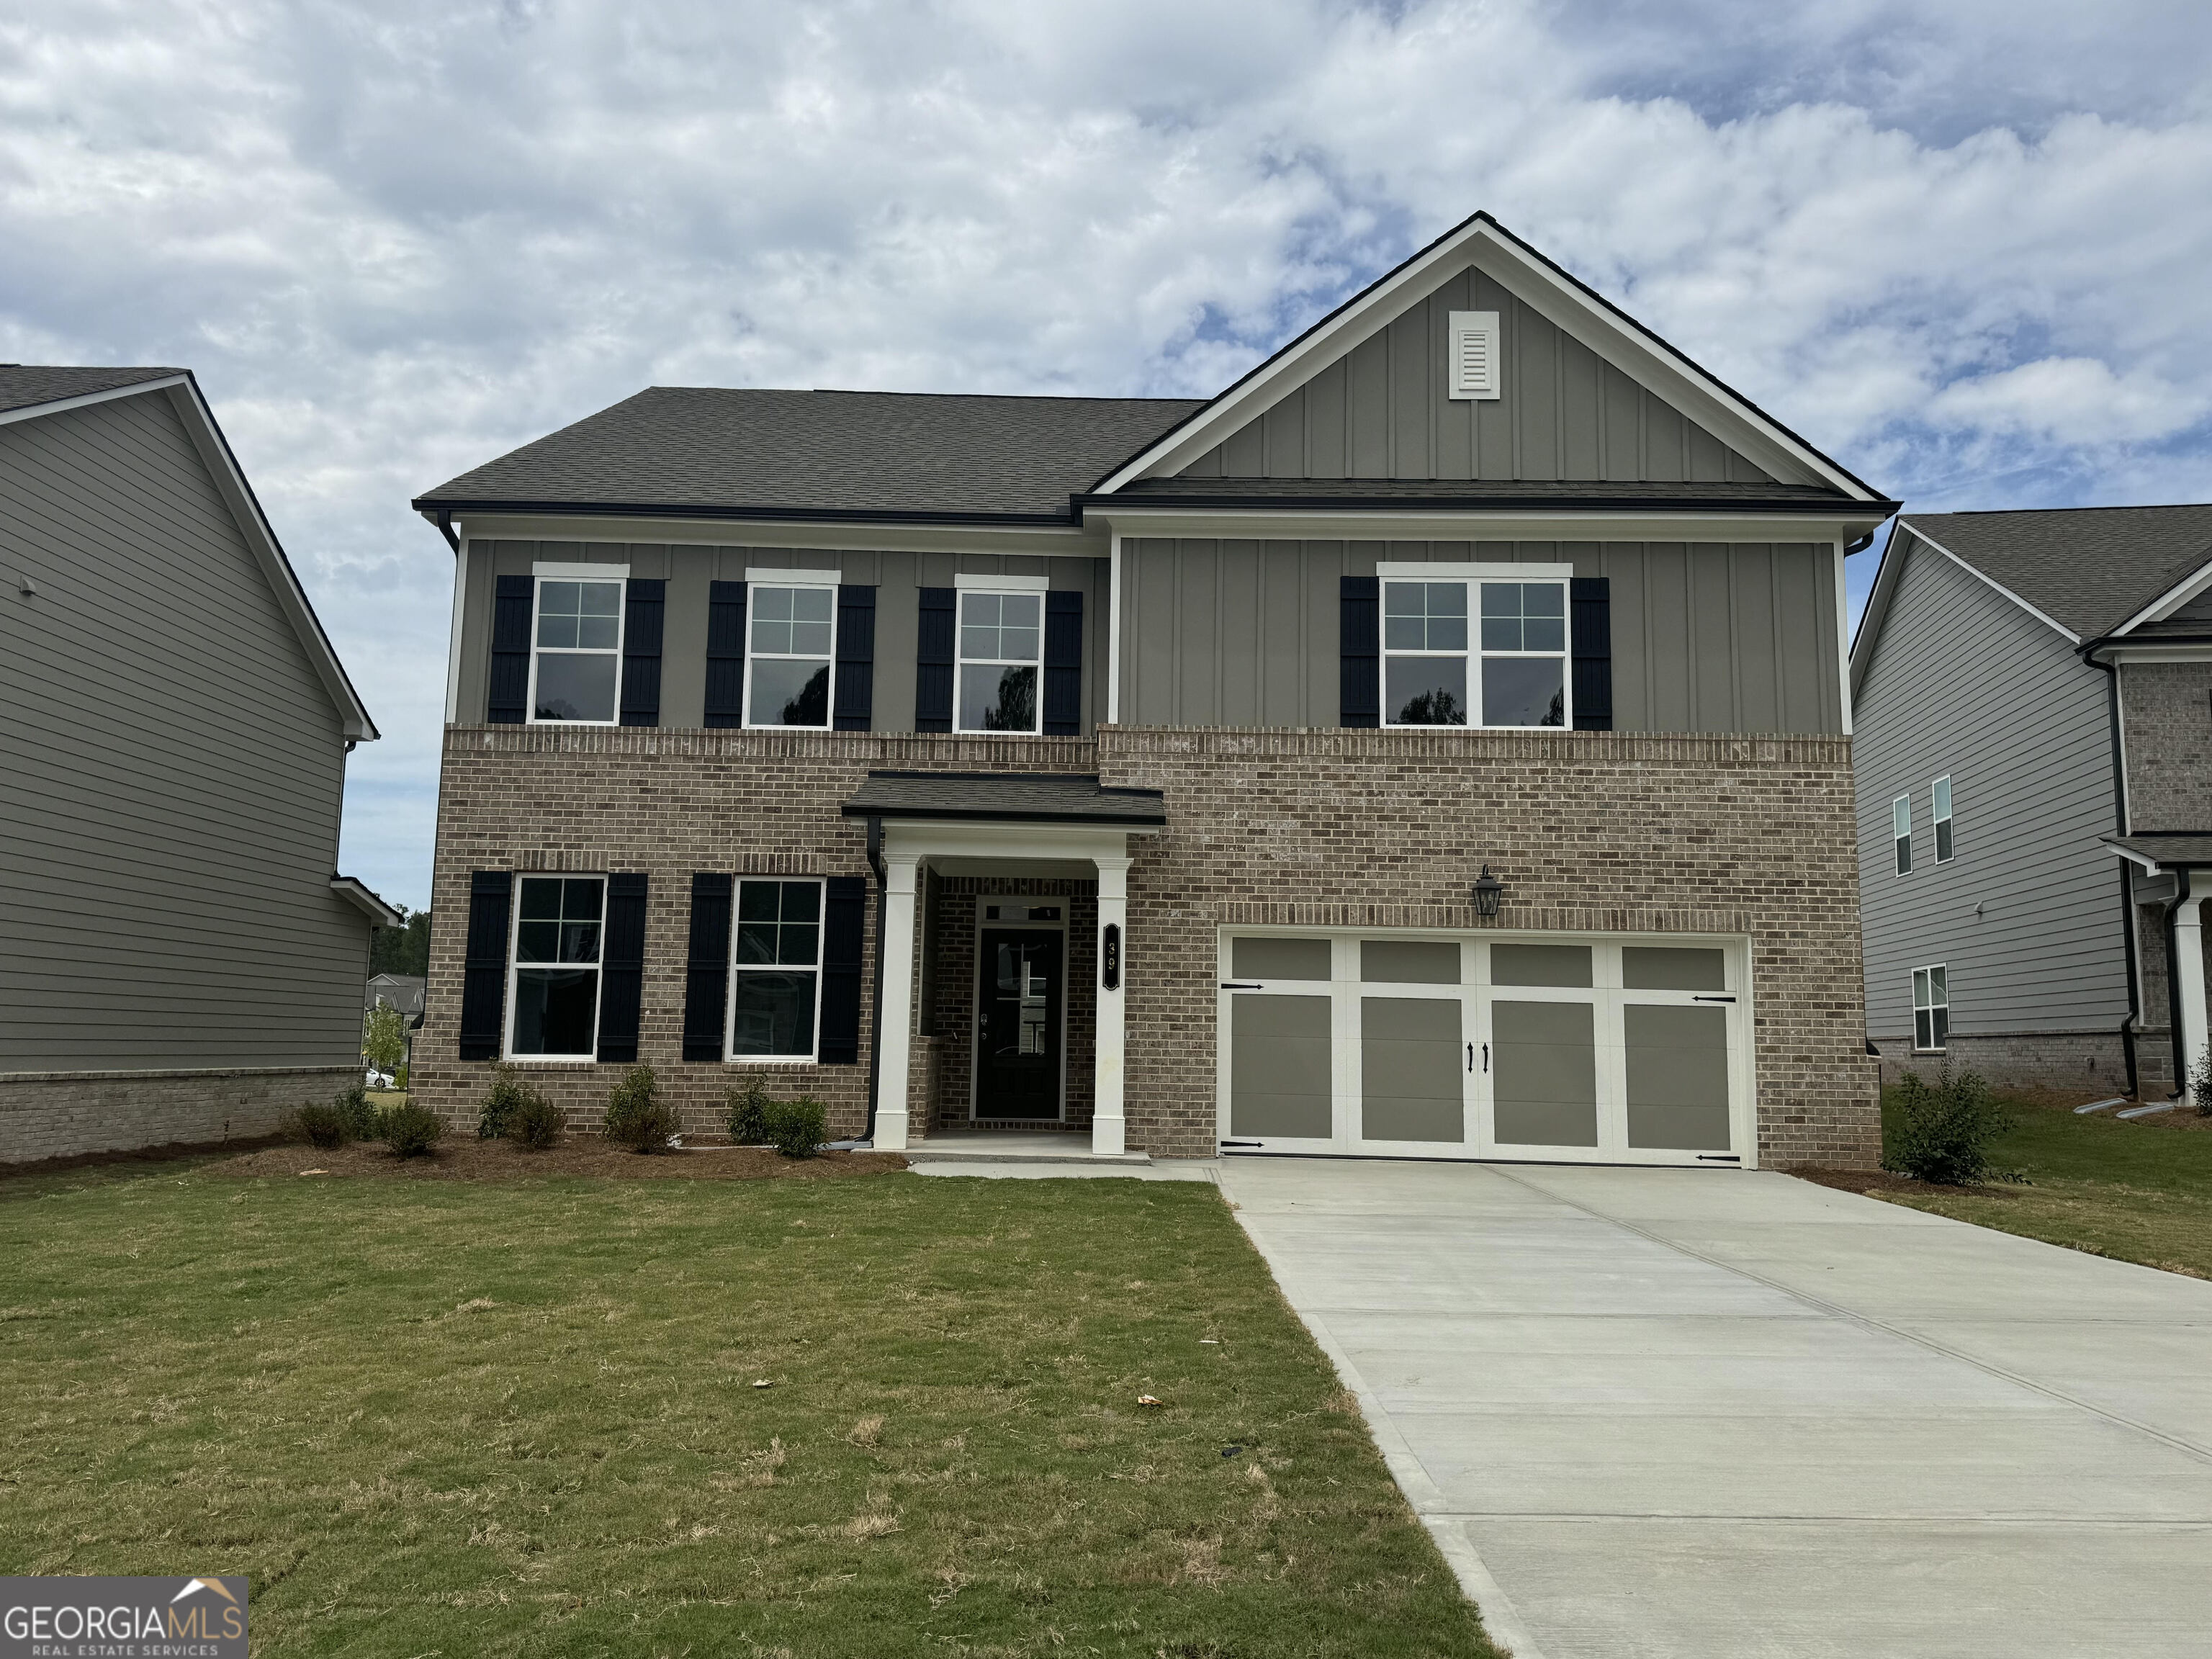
(2165,849)
(1004,798)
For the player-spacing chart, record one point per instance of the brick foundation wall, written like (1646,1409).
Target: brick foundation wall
(63,1114)
(2064,1061)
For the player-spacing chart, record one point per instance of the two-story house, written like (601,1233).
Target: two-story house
(2035,755)
(181,962)
(1437,745)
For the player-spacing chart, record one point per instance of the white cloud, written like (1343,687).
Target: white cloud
(1957,244)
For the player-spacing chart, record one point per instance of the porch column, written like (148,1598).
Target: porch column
(1108,1125)
(896,1018)
(2189,979)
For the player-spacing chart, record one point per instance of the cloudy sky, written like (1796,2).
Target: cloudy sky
(1962,245)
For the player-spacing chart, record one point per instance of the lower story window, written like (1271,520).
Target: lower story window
(775,969)
(557,938)
(1931,1008)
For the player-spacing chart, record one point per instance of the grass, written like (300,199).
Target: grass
(2137,1191)
(522,1418)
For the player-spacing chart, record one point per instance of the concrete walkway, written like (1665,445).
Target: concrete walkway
(1709,1414)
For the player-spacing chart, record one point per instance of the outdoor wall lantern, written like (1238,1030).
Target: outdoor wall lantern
(1488,889)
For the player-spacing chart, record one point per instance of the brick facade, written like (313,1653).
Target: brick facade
(63,1114)
(2168,709)
(1592,831)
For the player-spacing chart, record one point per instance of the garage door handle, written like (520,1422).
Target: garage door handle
(1470,1056)
(1712,999)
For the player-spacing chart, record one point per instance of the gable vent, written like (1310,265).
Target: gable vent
(1475,353)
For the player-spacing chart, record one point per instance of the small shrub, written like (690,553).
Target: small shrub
(2200,1083)
(749,1110)
(319,1126)
(357,1117)
(637,1117)
(798,1128)
(399,1079)
(411,1131)
(508,1095)
(1944,1130)
(535,1124)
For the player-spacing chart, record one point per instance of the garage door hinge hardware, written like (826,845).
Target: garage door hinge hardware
(1712,999)
(1256,1144)
(1242,985)
(1718,1158)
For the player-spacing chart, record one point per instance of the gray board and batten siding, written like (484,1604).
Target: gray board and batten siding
(898,578)
(1706,637)
(1963,683)
(1383,410)
(171,770)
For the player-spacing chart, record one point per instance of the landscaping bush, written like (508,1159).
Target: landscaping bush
(319,1126)
(637,1117)
(508,1095)
(411,1131)
(357,1117)
(798,1128)
(535,1123)
(1943,1130)
(749,1110)
(2200,1083)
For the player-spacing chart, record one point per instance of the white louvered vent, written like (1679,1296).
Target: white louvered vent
(1475,353)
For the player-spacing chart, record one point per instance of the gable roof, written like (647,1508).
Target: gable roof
(899,456)
(36,391)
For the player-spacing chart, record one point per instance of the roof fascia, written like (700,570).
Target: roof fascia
(2151,648)
(1061,540)
(1126,519)
(184,395)
(430,506)
(32,411)
(2171,600)
(1561,298)
(356,892)
(1877,610)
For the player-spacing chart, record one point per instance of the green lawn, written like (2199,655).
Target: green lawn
(2140,1192)
(480,1418)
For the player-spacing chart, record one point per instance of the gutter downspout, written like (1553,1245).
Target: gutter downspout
(446,528)
(875,1013)
(2128,938)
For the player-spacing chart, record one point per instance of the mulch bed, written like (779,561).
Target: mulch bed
(467,1158)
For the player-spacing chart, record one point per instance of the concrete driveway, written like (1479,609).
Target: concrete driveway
(1705,1413)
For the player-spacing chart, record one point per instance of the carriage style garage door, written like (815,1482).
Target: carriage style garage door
(1598,1049)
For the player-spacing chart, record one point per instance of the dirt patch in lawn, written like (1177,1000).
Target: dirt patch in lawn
(459,1159)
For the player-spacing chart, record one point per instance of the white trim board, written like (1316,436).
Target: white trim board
(1005,584)
(793,578)
(560,571)
(1383,523)
(1400,571)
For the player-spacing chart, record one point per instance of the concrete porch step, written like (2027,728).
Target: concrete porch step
(958,1148)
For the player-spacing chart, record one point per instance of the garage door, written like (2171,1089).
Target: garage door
(1590,1050)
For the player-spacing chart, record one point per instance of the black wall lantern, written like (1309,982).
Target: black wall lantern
(1488,889)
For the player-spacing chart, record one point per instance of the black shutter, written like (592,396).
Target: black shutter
(1063,665)
(707,980)
(1359,651)
(726,653)
(640,664)
(484,972)
(1589,604)
(844,928)
(932,658)
(506,701)
(856,658)
(622,969)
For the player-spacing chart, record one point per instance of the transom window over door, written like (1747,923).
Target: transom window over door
(792,656)
(1476,651)
(1001,657)
(558,937)
(776,969)
(576,664)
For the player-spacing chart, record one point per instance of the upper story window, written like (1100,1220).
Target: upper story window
(1510,669)
(1941,790)
(775,969)
(575,666)
(1001,660)
(555,989)
(1931,1008)
(1900,829)
(793,655)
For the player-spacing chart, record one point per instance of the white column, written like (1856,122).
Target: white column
(2189,978)
(894,1020)
(1108,1125)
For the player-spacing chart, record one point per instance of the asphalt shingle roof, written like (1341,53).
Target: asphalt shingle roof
(1017,797)
(2170,852)
(22,384)
(866,454)
(2088,568)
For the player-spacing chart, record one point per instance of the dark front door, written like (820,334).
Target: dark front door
(1018,1036)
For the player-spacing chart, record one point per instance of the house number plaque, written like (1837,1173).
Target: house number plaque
(1110,956)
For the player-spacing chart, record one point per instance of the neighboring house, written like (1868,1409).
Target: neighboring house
(400,991)
(2034,703)
(1434,745)
(181,963)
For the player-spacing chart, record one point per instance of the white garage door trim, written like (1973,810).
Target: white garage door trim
(1288,1040)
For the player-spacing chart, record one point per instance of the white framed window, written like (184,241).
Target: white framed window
(1931,1009)
(791,653)
(1941,789)
(776,968)
(575,657)
(1001,661)
(553,980)
(1900,832)
(1483,651)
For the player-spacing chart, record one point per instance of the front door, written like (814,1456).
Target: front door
(1018,999)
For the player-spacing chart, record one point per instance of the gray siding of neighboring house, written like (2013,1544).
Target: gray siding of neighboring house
(1963,683)
(897,578)
(171,769)
(1705,637)
(1382,411)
